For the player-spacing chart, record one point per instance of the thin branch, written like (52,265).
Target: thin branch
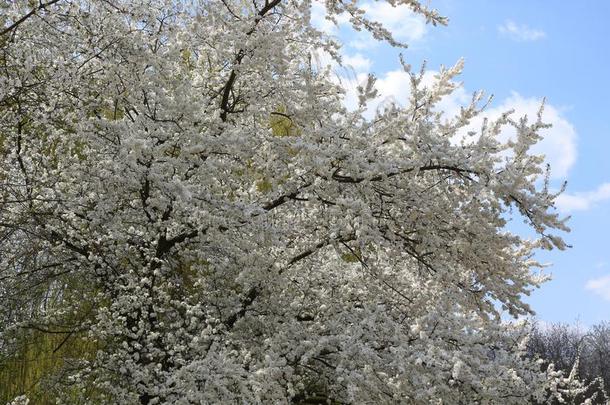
(284,198)
(228,87)
(14,25)
(349,179)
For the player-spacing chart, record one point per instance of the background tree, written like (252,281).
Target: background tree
(155,209)
(572,349)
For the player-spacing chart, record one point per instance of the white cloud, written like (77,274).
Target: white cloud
(404,24)
(352,73)
(520,33)
(363,41)
(393,86)
(318,20)
(357,62)
(350,85)
(559,142)
(584,200)
(600,286)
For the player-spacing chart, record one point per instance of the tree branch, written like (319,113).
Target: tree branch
(14,25)
(228,87)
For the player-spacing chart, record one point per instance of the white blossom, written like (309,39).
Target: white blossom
(182,186)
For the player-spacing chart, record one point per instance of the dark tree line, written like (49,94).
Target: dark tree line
(573,349)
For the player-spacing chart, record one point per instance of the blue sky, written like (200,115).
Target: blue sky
(521,51)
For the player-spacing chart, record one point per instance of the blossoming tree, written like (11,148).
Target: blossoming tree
(184,192)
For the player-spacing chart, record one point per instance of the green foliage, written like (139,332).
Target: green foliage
(264,186)
(187,59)
(41,358)
(352,256)
(281,123)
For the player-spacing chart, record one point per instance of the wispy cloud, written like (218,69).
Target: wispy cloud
(583,201)
(357,62)
(600,286)
(520,32)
